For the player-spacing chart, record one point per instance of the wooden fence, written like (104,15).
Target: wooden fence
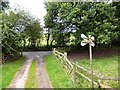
(67,65)
(73,68)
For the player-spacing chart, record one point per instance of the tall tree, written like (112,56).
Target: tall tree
(56,26)
(10,38)
(50,18)
(95,18)
(34,32)
(13,32)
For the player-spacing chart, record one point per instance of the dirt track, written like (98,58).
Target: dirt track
(21,76)
(43,79)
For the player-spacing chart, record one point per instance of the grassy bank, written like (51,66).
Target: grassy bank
(57,75)
(107,66)
(32,78)
(8,71)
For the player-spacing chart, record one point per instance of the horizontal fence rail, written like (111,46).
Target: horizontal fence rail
(97,75)
(73,68)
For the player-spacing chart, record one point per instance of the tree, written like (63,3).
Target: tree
(117,21)
(56,28)
(10,39)
(34,31)
(50,18)
(14,31)
(92,18)
(75,18)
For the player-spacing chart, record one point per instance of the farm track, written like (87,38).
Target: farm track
(42,75)
(22,74)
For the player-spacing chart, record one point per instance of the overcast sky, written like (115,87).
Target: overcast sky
(35,7)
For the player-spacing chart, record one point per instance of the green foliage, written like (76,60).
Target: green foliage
(8,71)
(10,38)
(50,19)
(17,26)
(74,18)
(34,32)
(55,25)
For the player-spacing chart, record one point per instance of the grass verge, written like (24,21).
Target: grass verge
(58,77)
(8,71)
(32,77)
(107,66)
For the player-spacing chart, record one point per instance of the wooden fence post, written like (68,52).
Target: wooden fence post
(3,59)
(0,60)
(99,81)
(75,69)
(64,59)
(74,74)
(54,50)
(65,54)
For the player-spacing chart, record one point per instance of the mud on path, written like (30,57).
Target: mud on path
(22,74)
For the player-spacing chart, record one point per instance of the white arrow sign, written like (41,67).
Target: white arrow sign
(87,40)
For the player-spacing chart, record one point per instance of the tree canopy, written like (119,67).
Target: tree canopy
(18,28)
(64,22)
(66,19)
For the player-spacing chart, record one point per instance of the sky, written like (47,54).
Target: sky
(35,7)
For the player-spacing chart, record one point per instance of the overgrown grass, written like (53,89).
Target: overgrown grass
(107,66)
(32,77)
(58,77)
(8,71)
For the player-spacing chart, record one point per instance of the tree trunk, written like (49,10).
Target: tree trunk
(48,39)
(24,42)
(38,43)
(51,43)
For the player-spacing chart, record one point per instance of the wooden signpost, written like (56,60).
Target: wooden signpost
(89,40)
